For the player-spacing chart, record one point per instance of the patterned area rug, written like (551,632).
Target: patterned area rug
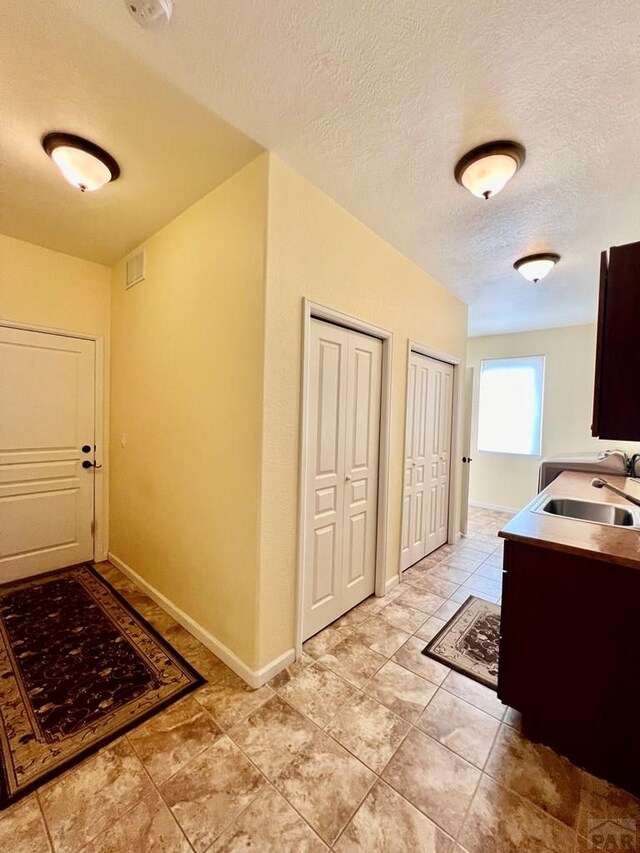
(78,668)
(469,641)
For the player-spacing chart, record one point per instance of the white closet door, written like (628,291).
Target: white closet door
(364,378)
(47,404)
(427,458)
(415,497)
(342,472)
(325,475)
(439,421)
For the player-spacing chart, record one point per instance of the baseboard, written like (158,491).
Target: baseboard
(391,582)
(254,677)
(261,676)
(494,507)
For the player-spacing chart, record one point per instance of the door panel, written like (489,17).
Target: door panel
(356,562)
(427,457)
(419,463)
(440,409)
(415,464)
(364,378)
(329,379)
(342,476)
(324,577)
(47,401)
(407,496)
(327,401)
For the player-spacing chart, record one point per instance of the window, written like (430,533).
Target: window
(510,413)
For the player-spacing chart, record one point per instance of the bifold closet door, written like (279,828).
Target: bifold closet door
(414,504)
(425,514)
(342,472)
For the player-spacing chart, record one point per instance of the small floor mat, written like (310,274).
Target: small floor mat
(469,642)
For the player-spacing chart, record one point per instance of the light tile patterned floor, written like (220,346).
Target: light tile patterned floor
(362,745)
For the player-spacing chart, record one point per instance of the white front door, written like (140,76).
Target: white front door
(342,472)
(427,458)
(47,412)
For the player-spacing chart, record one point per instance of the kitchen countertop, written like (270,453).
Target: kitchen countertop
(618,545)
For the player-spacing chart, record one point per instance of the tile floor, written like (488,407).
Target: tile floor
(362,745)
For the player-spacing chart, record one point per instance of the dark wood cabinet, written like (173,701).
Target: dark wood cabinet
(616,406)
(570,657)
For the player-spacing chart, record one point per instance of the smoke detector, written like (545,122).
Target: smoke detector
(150,14)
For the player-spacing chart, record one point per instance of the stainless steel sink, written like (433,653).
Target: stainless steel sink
(593,511)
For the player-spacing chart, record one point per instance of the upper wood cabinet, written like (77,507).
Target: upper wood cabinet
(616,403)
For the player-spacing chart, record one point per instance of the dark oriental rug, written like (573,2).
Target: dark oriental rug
(78,668)
(469,641)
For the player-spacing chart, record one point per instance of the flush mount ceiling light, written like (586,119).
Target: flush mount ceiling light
(485,170)
(535,267)
(84,164)
(150,14)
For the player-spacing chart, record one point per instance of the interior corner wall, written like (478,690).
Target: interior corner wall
(186,419)
(316,249)
(40,287)
(511,481)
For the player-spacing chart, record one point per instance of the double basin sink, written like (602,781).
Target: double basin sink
(592,511)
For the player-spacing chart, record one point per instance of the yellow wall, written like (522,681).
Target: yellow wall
(187,397)
(41,287)
(318,250)
(511,481)
(46,288)
(205,384)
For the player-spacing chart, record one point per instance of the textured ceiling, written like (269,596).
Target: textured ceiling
(374,101)
(56,74)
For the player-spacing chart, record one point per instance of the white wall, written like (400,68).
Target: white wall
(511,481)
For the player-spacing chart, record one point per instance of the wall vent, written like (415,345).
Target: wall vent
(136,264)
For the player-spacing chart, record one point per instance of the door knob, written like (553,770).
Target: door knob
(86,448)
(347,479)
(87,464)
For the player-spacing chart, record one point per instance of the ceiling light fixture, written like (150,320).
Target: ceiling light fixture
(84,164)
(486,170)
(535,267)
(150,14)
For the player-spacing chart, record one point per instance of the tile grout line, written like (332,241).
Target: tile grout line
(271,782)
(44,820)
(530,802)
(156,788)
(482,773)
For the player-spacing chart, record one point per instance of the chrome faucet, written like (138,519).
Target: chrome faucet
(597,483)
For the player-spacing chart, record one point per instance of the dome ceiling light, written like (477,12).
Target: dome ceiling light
(150,14)
(487,169)
(536,267)
(84,164)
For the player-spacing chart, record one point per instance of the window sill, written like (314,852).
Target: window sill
(534,456)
